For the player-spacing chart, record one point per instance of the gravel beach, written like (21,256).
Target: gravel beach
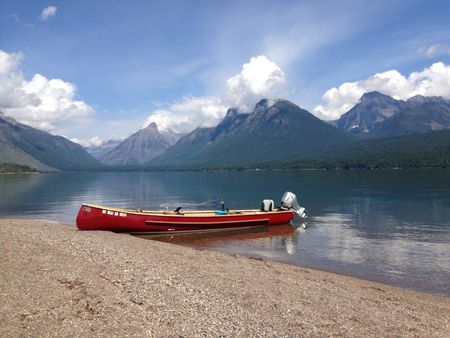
(57,281)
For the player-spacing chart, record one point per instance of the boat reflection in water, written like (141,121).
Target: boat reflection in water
(210,239)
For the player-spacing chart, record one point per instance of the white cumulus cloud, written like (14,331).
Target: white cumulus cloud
(39,102)
(432,81)
(48,12)
(259,78)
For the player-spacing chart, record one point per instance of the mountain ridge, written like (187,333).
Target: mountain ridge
(25,145)
(274,132)
(261,135)
(379,115)
(140,147)
(100,150)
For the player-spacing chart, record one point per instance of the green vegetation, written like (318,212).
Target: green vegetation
(408,151)
(15,168)
(429,150)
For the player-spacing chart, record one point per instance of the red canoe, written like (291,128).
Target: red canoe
(92,217)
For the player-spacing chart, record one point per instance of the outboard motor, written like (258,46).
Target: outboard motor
(289,202)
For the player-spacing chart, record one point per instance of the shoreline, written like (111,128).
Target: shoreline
(351,274)
(160,238)
(55,280)
(262,169)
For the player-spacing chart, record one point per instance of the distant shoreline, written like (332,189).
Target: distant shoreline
(60,281)
(12,168)
(119,170)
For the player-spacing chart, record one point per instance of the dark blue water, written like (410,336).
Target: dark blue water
(388,226)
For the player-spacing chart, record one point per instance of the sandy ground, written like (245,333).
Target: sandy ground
(57,281)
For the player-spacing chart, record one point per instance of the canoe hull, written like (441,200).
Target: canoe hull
(119,220)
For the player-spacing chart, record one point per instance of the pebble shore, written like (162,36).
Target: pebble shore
(57,281)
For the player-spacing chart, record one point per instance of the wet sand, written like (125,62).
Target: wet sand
(57,281)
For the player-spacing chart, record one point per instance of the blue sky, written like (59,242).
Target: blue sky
(129,59)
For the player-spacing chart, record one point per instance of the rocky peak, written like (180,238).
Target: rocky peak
(380,115)
(152,128)
(371,109)
(267,111)
(377,98)
(232,120)
(231,113)
(262,104)
(140,147)
(261,107)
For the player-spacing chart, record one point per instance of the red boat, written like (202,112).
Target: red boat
(92,217)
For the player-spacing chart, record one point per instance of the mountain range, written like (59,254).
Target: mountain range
(97,151)
(379,131)
(379,115)
(285,133)
(24,145)
(276,132)
(140,147)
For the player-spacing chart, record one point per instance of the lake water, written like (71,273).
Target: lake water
(388,226)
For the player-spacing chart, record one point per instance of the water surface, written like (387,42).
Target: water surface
(387,226)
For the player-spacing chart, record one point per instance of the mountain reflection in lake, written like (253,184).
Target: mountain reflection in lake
(389,226)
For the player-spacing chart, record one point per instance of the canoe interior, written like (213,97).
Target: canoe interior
(194,213)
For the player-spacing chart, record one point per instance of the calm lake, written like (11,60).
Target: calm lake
(389,226)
